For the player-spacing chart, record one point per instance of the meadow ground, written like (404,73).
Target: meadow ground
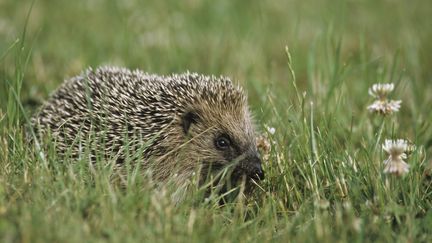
(325,172)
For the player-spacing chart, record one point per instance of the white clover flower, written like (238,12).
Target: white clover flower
(395,163)
(263,144)
(383,105)
(271,130)
(380,91)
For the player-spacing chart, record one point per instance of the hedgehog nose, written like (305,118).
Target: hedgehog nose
(255,170)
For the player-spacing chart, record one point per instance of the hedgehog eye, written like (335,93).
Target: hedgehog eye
(222,143)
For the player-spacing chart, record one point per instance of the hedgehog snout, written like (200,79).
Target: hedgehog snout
(252,168)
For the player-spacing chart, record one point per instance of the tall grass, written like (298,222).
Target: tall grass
(325,179)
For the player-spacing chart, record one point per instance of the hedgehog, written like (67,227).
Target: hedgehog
(172,125)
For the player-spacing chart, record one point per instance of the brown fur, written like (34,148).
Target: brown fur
(173,121)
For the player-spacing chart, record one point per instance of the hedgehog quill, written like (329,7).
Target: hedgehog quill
(175,124)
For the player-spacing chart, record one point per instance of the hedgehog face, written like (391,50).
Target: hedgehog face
(220,138)
(244,156)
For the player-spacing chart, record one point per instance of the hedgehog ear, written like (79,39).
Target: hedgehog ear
(187,120)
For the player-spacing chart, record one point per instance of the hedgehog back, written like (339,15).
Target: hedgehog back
(108,109)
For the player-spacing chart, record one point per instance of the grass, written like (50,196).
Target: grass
(325,179)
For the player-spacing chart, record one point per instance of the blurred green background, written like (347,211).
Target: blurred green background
(241,39)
